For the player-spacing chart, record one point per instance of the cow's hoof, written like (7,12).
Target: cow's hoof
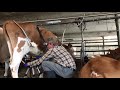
(5,76)
(25,77)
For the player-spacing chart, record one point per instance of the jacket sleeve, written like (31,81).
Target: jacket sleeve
(47,55)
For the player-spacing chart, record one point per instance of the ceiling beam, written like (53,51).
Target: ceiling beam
(77,21)
(88,34)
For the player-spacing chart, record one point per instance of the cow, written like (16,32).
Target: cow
(23,38)
(101,67)
(4,52)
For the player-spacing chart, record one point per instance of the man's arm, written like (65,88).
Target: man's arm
(47,55)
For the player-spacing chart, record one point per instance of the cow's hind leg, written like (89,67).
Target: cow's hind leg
(14,66)
(6,67)
(21,49)
(15,63)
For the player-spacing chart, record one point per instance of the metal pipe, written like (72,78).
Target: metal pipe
(103,45)
(42,22)
(117,29)
(90,42)
(93,39)
(77,21)
(72,17)
(96,45)
(107,18)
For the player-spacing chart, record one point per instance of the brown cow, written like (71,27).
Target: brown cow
(101,67)
(20,44)
(4,51)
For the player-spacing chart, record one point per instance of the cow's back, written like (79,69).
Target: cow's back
(102,66)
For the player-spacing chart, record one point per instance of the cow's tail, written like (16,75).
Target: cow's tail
(7,39)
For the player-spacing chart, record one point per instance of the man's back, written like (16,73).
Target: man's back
(63,57)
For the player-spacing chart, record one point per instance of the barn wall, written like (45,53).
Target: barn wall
(92,31)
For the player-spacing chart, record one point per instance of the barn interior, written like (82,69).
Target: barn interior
(90,33)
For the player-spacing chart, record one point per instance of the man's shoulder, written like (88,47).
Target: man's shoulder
(57,47)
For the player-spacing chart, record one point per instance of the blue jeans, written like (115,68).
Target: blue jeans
(58,69)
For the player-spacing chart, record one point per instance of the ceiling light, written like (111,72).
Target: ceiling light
(53,22)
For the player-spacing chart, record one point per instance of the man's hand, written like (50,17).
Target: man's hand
(28,64)
(32,63)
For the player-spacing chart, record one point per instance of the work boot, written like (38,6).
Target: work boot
(49,74)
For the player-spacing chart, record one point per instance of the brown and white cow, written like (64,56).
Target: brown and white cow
(4,51)
(19,44)
(101,67)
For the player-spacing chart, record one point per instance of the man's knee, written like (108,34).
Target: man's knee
(44,63)
(49,74)
(47,63)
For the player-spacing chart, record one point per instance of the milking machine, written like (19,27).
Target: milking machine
(31,71)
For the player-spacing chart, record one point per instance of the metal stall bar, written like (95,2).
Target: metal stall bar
(117,29)
(103,45)
(66,21)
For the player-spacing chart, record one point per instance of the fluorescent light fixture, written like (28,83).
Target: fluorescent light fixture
(110,37)
(53,22)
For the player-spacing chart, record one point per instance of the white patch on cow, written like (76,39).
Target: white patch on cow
(93,73)
(17,56)
(34,49)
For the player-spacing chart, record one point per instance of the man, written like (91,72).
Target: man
(57,60)
(71,50)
